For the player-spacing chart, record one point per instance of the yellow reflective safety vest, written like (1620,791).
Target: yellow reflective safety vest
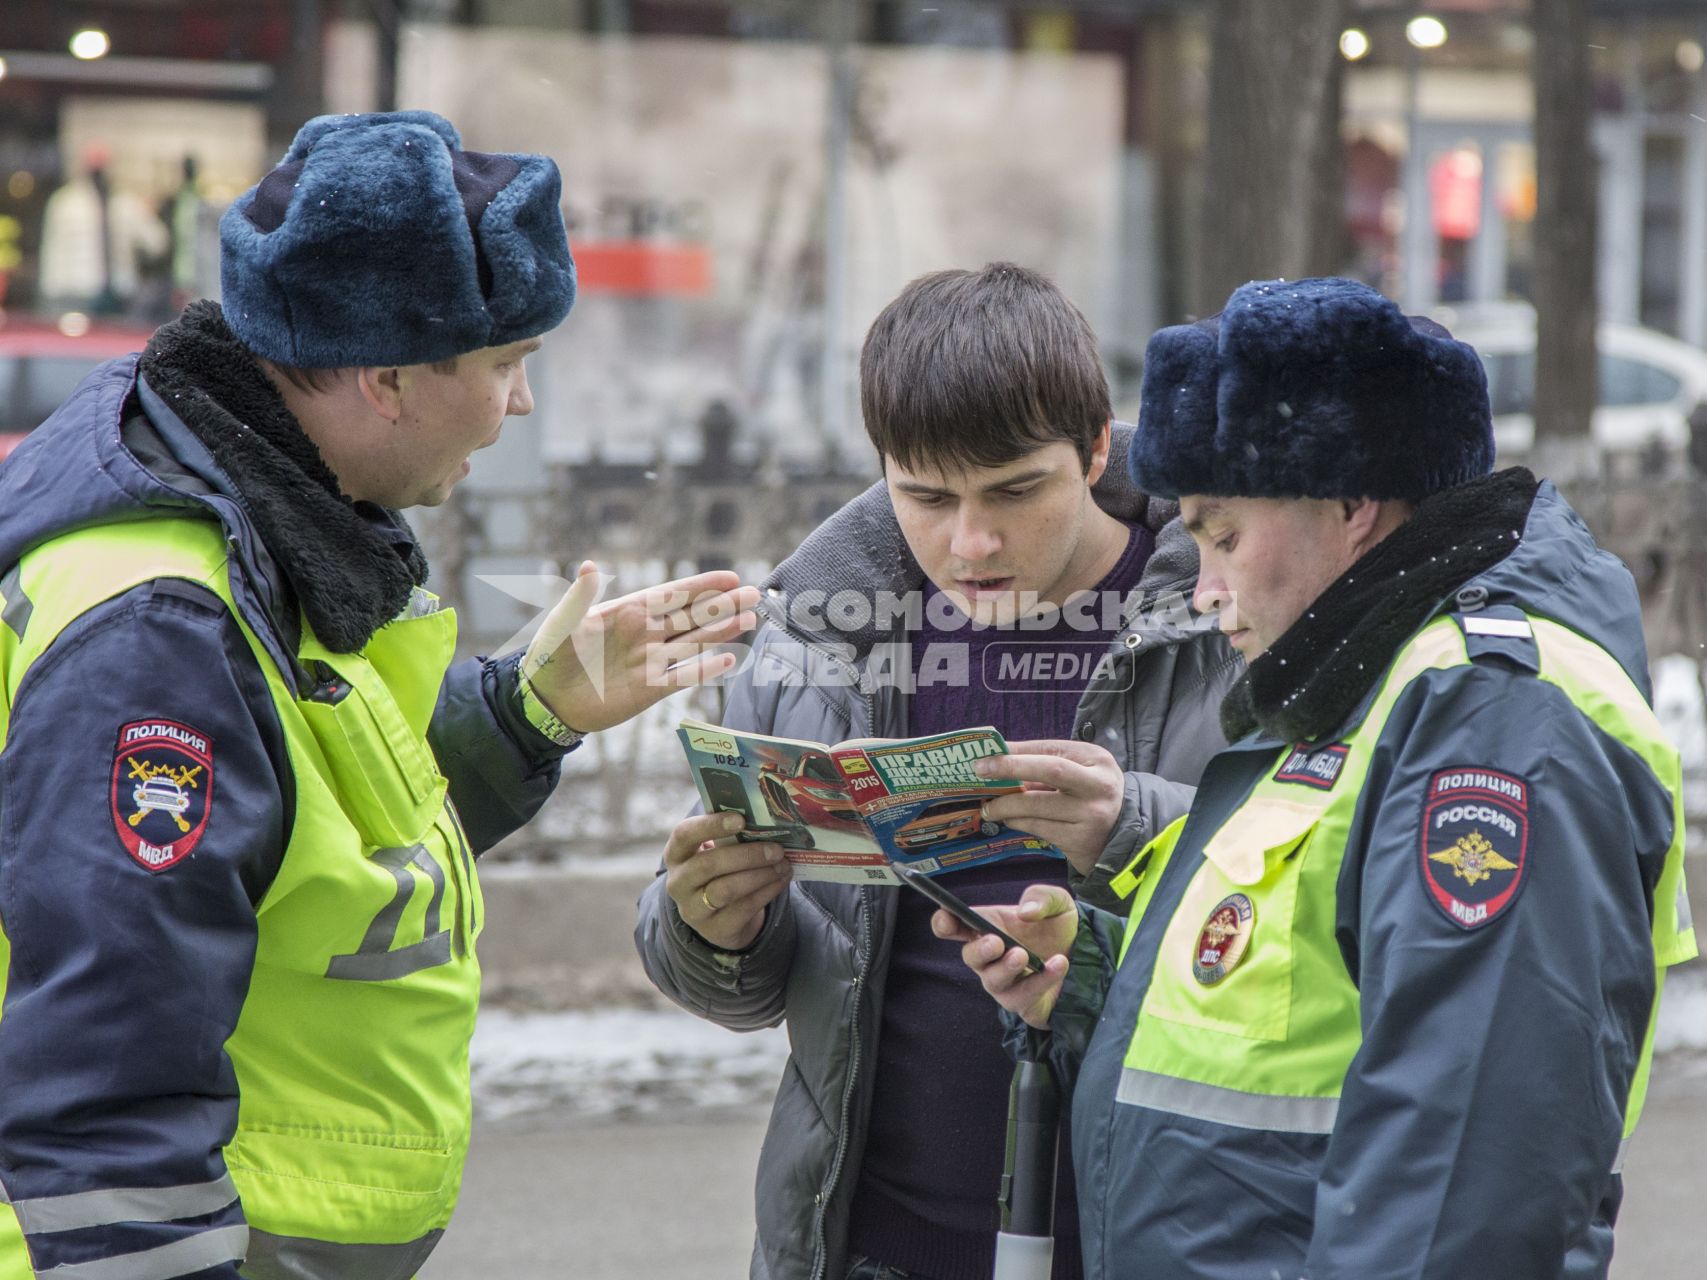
(1349,974)
(351,1051)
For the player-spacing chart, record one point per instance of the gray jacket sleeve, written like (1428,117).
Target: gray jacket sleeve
(1499,1043)
(743,990)
(1203,670)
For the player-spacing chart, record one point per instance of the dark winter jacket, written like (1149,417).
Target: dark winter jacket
(1492,1004)
(822,957)
(112,1060)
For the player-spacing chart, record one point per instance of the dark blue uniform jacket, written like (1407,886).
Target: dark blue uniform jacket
(1479,1125)
(123,986)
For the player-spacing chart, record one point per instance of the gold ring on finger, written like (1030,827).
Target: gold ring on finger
(705,897)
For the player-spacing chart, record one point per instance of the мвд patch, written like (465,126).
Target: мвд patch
(1475,842)
(162,791)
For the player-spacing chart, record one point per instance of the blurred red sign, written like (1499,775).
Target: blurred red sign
(1455,189)
(640,268)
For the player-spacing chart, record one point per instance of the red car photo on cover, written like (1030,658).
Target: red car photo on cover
(813,794)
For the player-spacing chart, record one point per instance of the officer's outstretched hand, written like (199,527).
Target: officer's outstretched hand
(597,664)
(1045,919)
(1072,797)
(720,886)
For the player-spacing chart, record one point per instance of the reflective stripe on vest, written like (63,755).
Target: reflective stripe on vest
(288,1258)
(84,1209)
(1227,1106)
(351,1051)
(377,959)
(1269,1047)
(163,1262)
(15,607)
(1618,1160)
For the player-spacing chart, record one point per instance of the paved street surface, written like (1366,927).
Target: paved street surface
(635,1200)
(606,1200)
(1660,1228)
(559,1188)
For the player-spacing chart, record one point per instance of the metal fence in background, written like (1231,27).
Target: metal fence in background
(500,556)
(626,787)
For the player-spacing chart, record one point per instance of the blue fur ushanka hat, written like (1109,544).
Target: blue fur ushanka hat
(379,241)
(1310,389)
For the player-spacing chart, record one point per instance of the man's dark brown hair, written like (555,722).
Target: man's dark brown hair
(978,368)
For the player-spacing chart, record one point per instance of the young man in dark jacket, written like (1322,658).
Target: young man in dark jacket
(1384,999)
(242,783)
(1004,517)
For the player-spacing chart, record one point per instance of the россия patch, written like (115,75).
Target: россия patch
(1475,842)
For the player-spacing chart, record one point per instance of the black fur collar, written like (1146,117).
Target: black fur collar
(1318,672)
(350,565)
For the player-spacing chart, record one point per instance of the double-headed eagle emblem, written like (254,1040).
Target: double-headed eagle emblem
(1473,858)
(1222,925)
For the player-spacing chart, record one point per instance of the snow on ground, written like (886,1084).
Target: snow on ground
(631,1062)
(623,1062)
(1682,710)
(636,860)
(1683,1010)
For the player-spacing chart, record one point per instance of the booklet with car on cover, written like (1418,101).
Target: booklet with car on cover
(845,812)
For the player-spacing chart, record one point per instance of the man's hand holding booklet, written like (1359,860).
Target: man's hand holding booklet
(854,811)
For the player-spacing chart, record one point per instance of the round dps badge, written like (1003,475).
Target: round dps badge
(1222,941)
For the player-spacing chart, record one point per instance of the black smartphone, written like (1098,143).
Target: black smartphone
(963,913)
(727,793)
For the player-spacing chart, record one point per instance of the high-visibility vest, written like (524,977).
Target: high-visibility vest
(351,1051)
(1270,1046)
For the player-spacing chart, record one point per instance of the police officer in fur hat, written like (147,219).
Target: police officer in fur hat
(1385,1000)
(242,783)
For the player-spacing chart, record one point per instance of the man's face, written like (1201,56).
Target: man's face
(994,537)
(1263,561)
(447,416)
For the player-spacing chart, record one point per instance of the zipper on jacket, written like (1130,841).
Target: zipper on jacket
(820,1259)
(835,659)
(821,1204)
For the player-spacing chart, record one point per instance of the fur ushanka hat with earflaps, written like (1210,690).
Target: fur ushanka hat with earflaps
(379,241)
(1310,389)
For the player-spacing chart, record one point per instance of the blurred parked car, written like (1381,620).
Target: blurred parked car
(1650,384)
(40,366)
